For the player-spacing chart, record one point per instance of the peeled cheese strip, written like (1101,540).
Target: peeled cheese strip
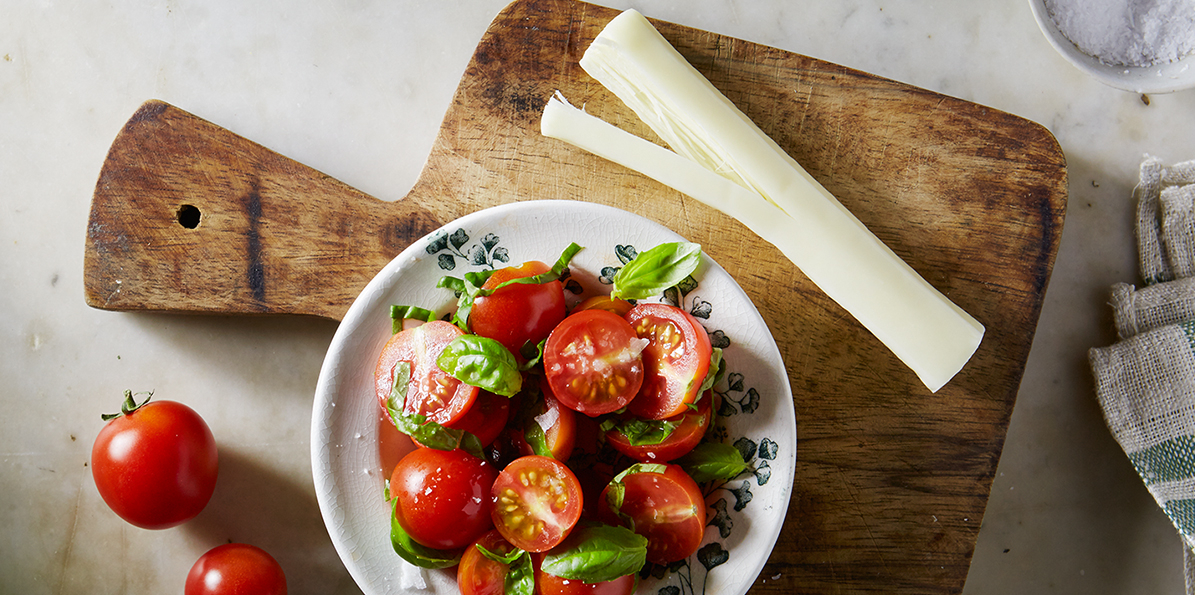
(928,332)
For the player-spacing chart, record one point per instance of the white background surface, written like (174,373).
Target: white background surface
(357,90)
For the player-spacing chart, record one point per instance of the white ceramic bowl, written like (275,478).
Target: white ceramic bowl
(746,513)
(1162,78)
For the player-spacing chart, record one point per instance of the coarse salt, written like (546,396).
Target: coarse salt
(1128,32)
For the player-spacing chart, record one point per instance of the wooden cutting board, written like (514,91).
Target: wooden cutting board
(891,480)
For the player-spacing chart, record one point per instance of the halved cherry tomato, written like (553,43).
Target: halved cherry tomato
(550,584)
(675,360)
(690,428)
(519,313)
(393,445)
(432,392)
(479,575)
(667,508)
(559,424)
(605,302)
(484,419)
(559,434)
(536,502)
(443,497)
(592,361)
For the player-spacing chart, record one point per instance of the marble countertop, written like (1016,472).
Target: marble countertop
(357,90)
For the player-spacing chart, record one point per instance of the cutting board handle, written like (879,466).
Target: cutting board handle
(189,217)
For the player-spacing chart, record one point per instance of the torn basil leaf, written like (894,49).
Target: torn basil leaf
(657,269)
(711,461)
(482,362)
(597,553)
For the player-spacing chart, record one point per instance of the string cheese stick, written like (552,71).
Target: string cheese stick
(926,331)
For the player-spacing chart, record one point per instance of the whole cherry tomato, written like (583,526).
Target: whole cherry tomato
(443,497)
(155,464)
(519,313)
(236,569)
(550,584)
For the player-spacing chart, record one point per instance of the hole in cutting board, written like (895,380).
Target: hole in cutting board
(188,216)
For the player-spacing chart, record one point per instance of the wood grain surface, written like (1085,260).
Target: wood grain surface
(891,480)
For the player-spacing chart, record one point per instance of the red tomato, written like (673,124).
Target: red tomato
(592,362)
(691,427)
(605,302)
(432,392)
(595,471)
(560,431)
(236,568)
(667,508)
(520,313)
(443,497)
(550,584)
(155,465)
(559,424)
(484,419)
(479,575)
(536,502)
(675,360)
(392,444)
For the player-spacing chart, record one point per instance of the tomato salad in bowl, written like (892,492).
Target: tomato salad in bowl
(553,428)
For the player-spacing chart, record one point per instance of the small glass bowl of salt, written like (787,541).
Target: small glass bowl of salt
(1133,45)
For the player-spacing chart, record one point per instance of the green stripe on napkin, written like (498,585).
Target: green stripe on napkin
(1169,461)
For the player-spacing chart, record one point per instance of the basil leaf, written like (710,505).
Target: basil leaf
(471,444)
(520,577)
(520,574)
(434,435)
(534,354)
(534,434)
(712,461)
(597,553)
(553,274)
(508,558)
(716,372)
(478,278)
(616,489)
(482,362)
(644,432)
(400,313)
(640,468)
(465,293)
(657,269)
(427,433)
(415,553)
(469,288)
(457,286)
(565,257)
(398,391)
(607,424)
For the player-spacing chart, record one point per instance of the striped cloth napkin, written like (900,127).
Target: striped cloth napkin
(1146,380)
